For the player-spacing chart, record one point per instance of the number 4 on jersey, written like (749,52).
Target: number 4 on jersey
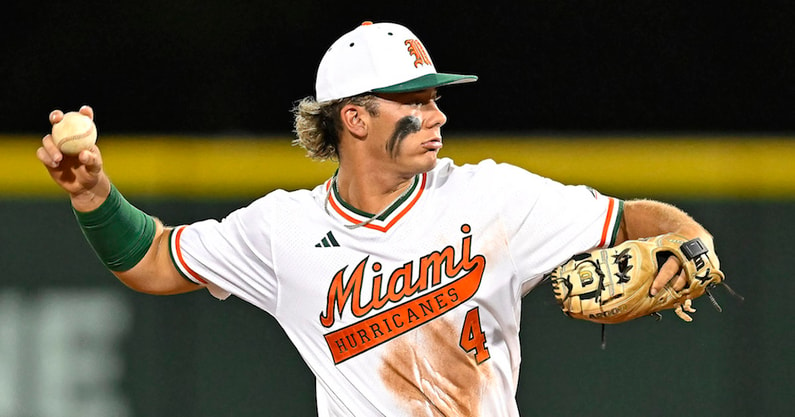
(472,336)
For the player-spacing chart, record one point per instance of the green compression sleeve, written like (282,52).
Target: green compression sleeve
(119,233)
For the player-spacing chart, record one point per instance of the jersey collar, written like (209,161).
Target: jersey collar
(382,221)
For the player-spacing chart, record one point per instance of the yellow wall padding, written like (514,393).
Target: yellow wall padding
(626,166)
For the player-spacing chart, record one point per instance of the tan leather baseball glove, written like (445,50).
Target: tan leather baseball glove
(612,285)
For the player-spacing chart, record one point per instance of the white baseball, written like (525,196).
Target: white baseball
(74,133)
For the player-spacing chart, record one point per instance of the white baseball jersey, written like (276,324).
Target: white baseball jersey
(417,312)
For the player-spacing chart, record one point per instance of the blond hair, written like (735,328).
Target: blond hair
(317,126)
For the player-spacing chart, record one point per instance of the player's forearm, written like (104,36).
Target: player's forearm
(119,233)
(132,244)
(645,218)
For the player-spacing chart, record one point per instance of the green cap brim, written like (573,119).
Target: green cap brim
(426,81)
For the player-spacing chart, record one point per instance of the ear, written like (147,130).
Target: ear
(354,119)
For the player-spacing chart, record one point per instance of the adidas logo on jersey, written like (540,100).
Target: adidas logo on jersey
(328,242)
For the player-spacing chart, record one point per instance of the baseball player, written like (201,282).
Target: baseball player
(400,278)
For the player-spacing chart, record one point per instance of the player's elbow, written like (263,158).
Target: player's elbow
(156,283)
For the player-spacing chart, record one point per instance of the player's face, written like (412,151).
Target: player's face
(408,129)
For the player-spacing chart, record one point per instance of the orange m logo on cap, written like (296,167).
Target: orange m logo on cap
(416,49)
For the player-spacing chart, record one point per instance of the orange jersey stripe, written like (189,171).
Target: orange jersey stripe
(178,250)
(610,207)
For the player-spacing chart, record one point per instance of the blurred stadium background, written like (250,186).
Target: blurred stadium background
(686,102)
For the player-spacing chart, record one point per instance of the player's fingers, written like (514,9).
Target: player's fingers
(679,281)
(668,270)
(91,158)
(48,153)
(88,111)
(55,116)
(46,158)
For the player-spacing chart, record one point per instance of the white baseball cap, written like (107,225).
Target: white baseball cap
(379,58)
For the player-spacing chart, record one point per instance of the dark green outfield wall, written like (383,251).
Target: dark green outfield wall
(75,342)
